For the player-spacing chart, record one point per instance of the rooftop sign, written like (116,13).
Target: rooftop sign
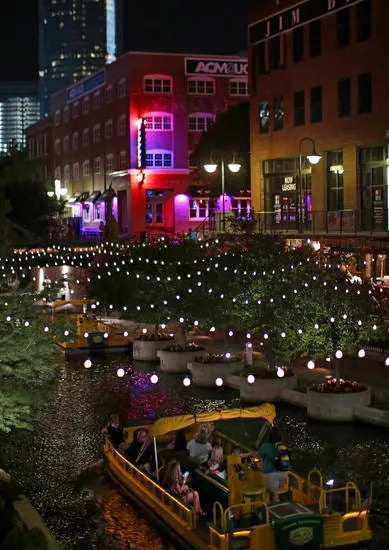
(215,67)
(86,86)
(299,14)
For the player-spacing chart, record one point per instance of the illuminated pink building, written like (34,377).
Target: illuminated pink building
(132,126)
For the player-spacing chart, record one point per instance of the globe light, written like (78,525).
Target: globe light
(359,323)
(181,319)
(219,382)
(266,336)
(46,329)
(339,354)
(125,333)
(210,168)
(248,336)
(144,330)
(186,381)
(230,333)
(332,320)
(251,379)
(66,333)
(212,329)
(311,364)
(361,353)
(374,327)
(387,362)
(163,326)
(328,359)
(283,334)
(120,372)
(106,334)
(330,482)
(87,363)
(8,318)
(196,323)
(280,372)
(154,379)
(228,355)
(26,324)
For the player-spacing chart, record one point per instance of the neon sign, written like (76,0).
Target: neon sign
(141,143)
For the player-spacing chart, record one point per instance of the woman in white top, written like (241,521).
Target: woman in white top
(199,447)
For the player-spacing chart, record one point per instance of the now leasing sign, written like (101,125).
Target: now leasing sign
(216,67)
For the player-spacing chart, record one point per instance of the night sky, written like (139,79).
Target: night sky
(201,26)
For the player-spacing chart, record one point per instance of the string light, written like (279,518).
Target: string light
(186,381)
(219,382)
(87,363)
(120,372)
(251,379)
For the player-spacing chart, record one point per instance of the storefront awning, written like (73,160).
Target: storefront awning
(83,197)
(94,197)
(74,198)
(107,194)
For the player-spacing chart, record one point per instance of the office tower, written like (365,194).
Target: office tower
(19,108)
(76,39)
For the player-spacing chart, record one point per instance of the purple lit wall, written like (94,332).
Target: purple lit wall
(115,208)
(227,203)
(181,213)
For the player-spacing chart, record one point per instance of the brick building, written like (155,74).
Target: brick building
(318,79)
(132,127)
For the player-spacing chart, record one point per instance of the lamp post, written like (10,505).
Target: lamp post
(211,168)
(313,158)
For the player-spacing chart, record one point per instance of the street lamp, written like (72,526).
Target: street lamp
(313,158)
(211,168)
(58,190)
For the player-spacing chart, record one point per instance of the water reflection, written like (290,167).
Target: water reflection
(68,440)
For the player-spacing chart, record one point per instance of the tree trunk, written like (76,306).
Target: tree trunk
(181,336)
(156,329)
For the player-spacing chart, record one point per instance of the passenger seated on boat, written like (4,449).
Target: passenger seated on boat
(199,447)
(208,428)
(273,475)
(216,462)
(177,484)
(141,451)
(179,443)
(114,431)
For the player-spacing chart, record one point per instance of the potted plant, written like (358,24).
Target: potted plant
(212,369)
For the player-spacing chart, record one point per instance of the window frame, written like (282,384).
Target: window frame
(85,105)
(121,88)
(206,200)
(156,78)
(75,141)
(162,152)
(76,170)
(238,81)
(86,137)
(203,80)
(200,116)
(96,136)
(108,124)
(121,130)
(97,162)
(343,112)
(158,114)
(85,172)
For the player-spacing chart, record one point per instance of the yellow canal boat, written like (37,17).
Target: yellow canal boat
(309,515)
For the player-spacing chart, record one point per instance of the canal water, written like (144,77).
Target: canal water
(54,462)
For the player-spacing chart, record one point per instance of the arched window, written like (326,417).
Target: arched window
(159,121)
(200,122)
(159,158)
(157,84)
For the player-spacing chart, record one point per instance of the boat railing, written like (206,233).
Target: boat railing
(239,515)
(229,443)
(162,498)
(340,499)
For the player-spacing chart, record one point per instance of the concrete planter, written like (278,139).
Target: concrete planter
(336,407)
(177,361)
(146,350)
(266,389)
(205,374)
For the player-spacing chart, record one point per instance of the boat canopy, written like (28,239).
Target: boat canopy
(81,302)
(169,424)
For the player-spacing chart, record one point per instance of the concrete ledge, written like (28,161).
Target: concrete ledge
(372,416)
(30,518)
(293,397)
(146,350)
(177,361)
(205,374)
(266,389)
(336,407)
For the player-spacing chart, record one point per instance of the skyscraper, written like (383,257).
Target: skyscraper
(19,108)
(76,38)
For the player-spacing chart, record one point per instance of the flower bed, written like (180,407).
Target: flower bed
(175,358)
(336,402)
(267,373)
(217,358)
(146,346)
(154,337)
(205,370)
(191,347)
(343,386)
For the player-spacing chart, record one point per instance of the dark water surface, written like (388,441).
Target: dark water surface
(68,440)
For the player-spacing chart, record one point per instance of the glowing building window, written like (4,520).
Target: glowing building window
(85,168)
(241,208)
(157,84)
(96,99)
(159,121)
(121,88)
(122,125)
(96,133)
(154,206)
(108,129)
(57,173)
(97,165)
(86,212)
(159,159)
(85,105)
(109,93)
(76,109)
(66,173)
(57,146)
(123,163)
(76,171)
(65,144)
(238,86)
(200,122)
(75,141)
(109,164)
(201,86)
(97,211)
(57,118)
(198,209)
(85,137)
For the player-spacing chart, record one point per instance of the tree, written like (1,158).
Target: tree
(227,138)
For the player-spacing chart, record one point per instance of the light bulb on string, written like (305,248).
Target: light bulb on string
(311,364)
(87,363)
(120,372)
(154,379)
(361,353)
(339,354)
(219,382)
(280,372)
(187,381)
(250,379)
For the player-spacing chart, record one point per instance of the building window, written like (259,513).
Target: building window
(121,88)
(96,100)
(335,180)
(86,212)
(238,86)
(200,122)
(97,165)
(75,141)
(364,93)
(122,125)
(57,118)
(108,94)
(154,206)
(275,53)
(157,84)
(66,114)
(315,38)
(123,163)
(66,144)
(109,163)
(298,44)
(344,97)
(278,113)
(316,104)
(85,168)
(241,208)
(96,133)
(264,116)
(76,171)
(201,86)
(261,58)
(66,173)
(363,21)
(76,109)
(159,121)
(97,211)
(108,130)
(85,137)
(57,173)
(374,183)
(299,108)
(159,159)
(343,28)
(57,146)
(198,209)
(85,105)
